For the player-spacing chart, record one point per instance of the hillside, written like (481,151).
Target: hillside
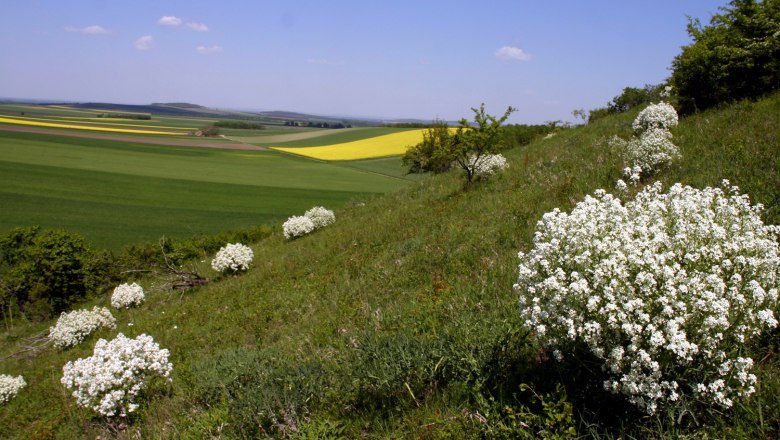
(399,321)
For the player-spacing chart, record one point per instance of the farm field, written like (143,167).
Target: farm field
(120,192)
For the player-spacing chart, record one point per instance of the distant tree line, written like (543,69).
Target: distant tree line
(317,124)
(125,116)
(410,124)
(243,125)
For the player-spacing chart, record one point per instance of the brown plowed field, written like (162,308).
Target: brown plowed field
(121,138)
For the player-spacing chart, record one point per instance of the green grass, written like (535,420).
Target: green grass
(116,193)
(399,320)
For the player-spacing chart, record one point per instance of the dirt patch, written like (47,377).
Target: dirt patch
(154,141)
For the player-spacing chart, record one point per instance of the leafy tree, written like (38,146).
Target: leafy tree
(441,148)
(44,272)
(736,57)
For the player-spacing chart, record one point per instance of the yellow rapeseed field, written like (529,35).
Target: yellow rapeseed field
(387,145)
(38,123)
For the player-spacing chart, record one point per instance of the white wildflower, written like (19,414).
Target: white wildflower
(72,328)
(486,164)
(664,278)
(297,226)
(10,387)
(110,380)
(320,216)
(661,115)
(127,295)
(232,257)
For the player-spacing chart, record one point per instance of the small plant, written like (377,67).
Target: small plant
(233,258)
(664,291)
(10,387)
(72,328)
(487,165)
(109,381)
(651,147)
(320,216)
(127,295)
(297,226)
(659,116)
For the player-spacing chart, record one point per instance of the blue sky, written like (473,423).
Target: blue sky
(421,59)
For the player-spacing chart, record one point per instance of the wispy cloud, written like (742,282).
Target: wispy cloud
(198,27)
(90,30)
(169,20)
(209,50)
(511,53)
(324,62)
(144,43)
(174,21)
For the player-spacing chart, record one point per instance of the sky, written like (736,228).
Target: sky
(425,59)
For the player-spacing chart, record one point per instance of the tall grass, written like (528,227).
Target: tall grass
(399,320)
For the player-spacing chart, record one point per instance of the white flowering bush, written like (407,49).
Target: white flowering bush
(297,226)
(72,328)
(127,295)
(665,291)
(487,164)
(10,387)
(320,216)
(656,116)
(110,380)
(233,257)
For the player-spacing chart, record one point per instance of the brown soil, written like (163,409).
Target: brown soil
(154,141)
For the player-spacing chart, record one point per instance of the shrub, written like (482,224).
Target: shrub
(736,57)
(72,328)
(656,116)
(109,381)
(297,226)
(320,216)
(10,387)
(486,165)
(45,271)
(665,291)
(127,295)
(233,257)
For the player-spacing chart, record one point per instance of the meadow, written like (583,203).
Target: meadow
(400,320)
(117,193)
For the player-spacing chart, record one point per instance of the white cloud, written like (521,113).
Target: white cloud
(91,30)
(169,20)
(144,43)
(208,50)
(199,27)
(511,53)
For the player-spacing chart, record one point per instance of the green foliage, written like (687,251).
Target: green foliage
(430,155)
(210,131)
(44,272)
(629,98)
(518,135)
(737,56)
(440,149)
(242,125)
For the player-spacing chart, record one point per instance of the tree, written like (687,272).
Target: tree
(441,148)
(736,57)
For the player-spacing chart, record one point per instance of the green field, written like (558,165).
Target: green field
(117,193)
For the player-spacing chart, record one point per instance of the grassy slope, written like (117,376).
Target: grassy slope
(430,262)
(118,192)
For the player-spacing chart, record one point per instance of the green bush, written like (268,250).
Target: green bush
(736,57)
(44,272)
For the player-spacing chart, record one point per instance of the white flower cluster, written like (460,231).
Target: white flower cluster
(315,218)
(72,328)
(110,380)
(651,150)
(651,147)
(10,387)
(297,226)
(486,165)
(127,295)
(320,216)
(665,290)
(661,116)
(234,257)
